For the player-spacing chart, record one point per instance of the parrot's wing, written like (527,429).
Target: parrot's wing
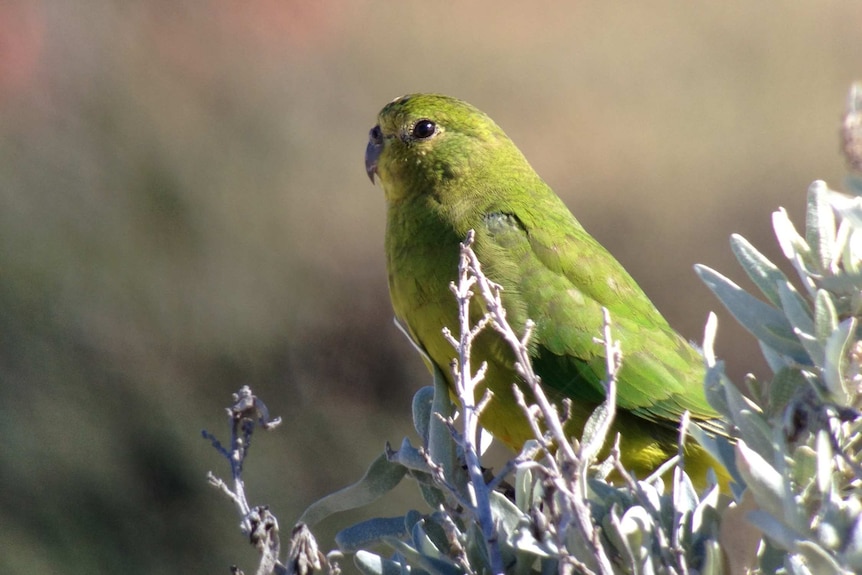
(560,277)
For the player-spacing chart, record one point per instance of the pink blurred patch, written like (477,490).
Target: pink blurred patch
(22,29)
(293,24)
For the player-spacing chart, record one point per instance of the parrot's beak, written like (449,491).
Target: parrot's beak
(372,151)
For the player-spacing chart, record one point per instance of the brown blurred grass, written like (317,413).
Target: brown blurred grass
(183,210)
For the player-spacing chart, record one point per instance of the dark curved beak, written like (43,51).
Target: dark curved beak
(372,151)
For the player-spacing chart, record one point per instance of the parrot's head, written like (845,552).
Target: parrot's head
(425,142)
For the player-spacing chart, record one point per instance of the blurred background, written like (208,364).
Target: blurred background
(184,210)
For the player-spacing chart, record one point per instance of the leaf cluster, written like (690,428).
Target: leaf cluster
(798,448)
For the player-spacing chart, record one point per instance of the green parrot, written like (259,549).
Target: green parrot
(447,168)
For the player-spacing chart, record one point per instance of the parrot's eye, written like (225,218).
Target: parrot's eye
(424,129)
(376,134)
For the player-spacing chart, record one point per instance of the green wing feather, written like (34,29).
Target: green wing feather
(561,282)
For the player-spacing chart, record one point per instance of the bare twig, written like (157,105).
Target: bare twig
(466,386)
(523,363)
(678,471)
(570,478)
(257,523)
